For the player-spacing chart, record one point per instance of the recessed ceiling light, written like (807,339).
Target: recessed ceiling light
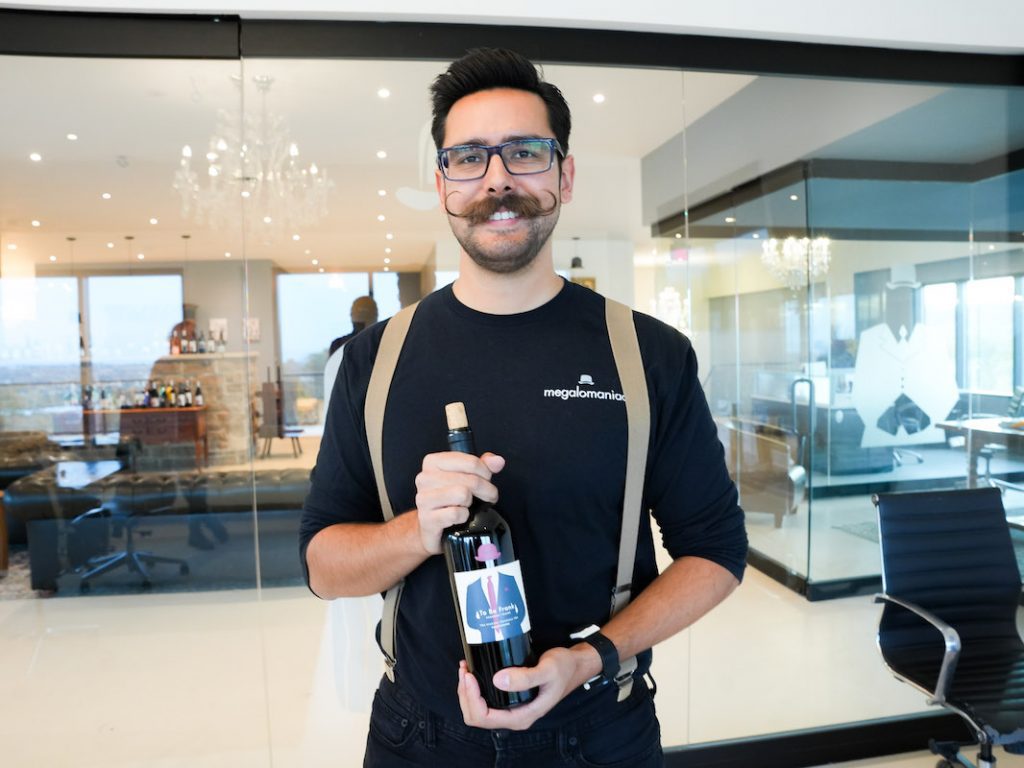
(387,269)
(315,262)
(599,98)
(52,257)
(308,251)
(296,238)
(730,219)
(72,137)
(387,250)
(320,270)
(105,195)
(381,154)
(227,254)
(36,223)
(141,257)
(387,261)
(679,236)
(380,217)
(245,193)
(35,157)
(267,219)
(991,247)
(383,93)
(382,192)
(154,221)
(794,198)
(756,236)
(389,236)
(110,245)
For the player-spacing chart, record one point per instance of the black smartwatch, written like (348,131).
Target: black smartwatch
(609,657)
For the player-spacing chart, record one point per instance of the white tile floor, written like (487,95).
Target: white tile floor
(277,678)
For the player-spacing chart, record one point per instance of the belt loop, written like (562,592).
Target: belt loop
(429,726)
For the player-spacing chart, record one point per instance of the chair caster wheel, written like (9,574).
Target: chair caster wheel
(183,570)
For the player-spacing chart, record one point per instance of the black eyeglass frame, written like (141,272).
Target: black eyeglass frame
(496,149)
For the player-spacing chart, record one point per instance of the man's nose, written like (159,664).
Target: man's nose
(497,178)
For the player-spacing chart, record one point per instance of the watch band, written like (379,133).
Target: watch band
(608,652)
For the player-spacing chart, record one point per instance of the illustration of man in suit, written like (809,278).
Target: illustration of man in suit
(494,603)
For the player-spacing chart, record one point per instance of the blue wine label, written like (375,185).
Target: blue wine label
(491,603)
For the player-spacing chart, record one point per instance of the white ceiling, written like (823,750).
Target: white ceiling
(143,111)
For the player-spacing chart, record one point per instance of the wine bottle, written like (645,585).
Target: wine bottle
(199,395)
(487,587)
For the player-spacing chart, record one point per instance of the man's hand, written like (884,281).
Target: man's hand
(558,672)
(445,488)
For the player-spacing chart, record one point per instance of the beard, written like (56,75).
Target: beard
(506,257)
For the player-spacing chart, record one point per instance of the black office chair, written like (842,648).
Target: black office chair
(131,558)
(948,626)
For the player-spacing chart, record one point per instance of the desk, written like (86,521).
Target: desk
(979,433)
(153,426)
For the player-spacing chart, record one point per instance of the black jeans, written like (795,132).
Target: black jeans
(615,735)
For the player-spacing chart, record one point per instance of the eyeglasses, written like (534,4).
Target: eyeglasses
(520,158)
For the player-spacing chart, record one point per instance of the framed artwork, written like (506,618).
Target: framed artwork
(252,329)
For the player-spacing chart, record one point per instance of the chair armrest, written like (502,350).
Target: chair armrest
(91,514)
(950,637)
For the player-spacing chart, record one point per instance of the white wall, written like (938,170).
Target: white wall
(981,25)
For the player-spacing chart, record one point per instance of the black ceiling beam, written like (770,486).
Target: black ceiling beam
(118,35)
(412,40)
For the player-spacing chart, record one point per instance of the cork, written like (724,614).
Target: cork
(456,413)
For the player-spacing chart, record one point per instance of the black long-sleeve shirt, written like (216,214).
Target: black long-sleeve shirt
(540,390)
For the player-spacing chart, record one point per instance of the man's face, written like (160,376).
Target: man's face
(510,240)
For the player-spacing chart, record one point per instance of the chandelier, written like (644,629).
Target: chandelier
(795,260)
(252,167)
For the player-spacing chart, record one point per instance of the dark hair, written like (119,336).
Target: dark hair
(482,69)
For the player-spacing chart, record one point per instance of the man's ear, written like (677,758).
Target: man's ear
(568,177)
(439,183)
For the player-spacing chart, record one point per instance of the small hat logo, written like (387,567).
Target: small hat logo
(586,378)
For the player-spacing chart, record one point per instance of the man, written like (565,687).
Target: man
(508,339)
(364,314)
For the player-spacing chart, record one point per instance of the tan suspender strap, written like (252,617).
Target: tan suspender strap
(626,351)
(373,412)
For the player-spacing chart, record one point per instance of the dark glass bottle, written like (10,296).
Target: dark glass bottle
(487,587)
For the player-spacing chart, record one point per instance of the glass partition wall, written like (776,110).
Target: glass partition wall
(181,241)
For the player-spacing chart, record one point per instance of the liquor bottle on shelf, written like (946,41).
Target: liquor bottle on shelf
(175,342)
(199,395)
(154,395)
(193,345)
(201,344)
(221,344)
(487,586)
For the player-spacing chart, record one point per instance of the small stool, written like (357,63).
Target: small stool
(294,435)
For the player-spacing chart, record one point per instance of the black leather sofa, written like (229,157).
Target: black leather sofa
(206,517)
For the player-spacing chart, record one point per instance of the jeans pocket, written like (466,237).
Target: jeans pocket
(632,740)
(389,724)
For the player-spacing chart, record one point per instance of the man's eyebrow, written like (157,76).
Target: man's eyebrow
(476,140)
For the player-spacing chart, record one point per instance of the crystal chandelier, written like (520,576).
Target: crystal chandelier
(252,167)
(795,260)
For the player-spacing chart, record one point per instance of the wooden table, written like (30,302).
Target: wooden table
(152,426)
(982,432)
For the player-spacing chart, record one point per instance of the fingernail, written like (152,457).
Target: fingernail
(502,681)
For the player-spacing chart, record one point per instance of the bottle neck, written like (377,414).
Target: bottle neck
(461,441)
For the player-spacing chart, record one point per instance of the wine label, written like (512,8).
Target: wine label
(492,604)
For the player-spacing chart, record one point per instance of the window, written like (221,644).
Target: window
(989,324)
